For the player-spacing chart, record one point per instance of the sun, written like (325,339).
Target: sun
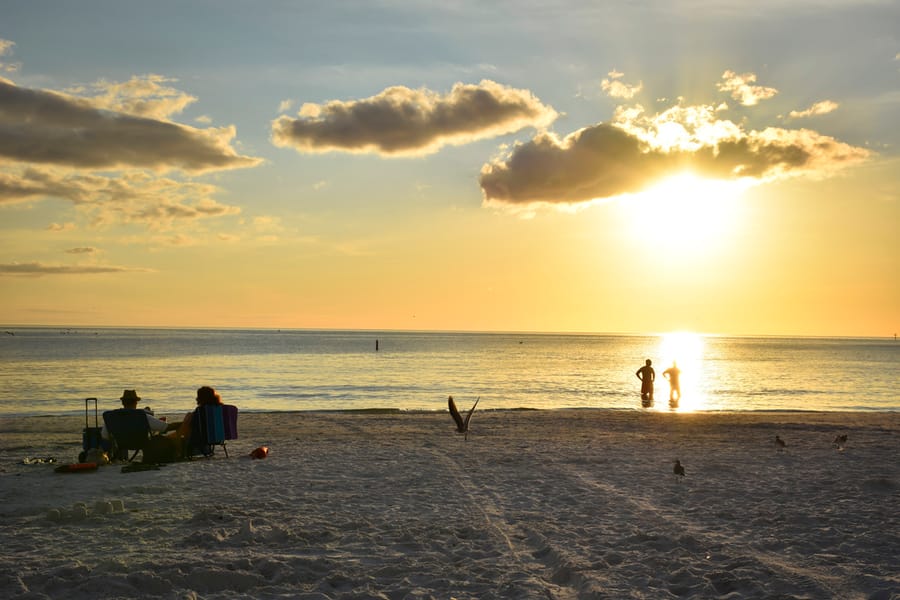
(685,212)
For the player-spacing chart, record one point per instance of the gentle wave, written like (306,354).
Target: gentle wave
(49,371)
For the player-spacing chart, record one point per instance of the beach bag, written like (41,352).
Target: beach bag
(161,449)
(90,437)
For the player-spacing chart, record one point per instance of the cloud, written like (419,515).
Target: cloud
(111,150)
(142,96)
(636,150)
(37,269)
(57,227)
(166,212)
(53,128)
(619,89)
(5,48)
(401,121)
(742,88)
(131,197)
(82,250)
(819,108)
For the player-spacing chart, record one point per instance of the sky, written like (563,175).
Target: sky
(644,166)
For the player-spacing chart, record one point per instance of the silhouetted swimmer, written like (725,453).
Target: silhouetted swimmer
(672,374)
(647,376)
(779,443)
(678,469)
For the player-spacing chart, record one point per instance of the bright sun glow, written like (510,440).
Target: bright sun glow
(686,212)
(685,350)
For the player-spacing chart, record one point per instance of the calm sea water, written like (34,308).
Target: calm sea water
(51,371)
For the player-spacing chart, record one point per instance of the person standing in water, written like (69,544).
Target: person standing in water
(647,376)
(672,374)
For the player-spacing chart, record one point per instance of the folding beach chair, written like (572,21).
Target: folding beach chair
(128,429)
(212,425)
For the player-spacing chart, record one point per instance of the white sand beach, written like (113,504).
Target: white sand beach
(536,504)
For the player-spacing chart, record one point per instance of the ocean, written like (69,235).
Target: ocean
(50,371)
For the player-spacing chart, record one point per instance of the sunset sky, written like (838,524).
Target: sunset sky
(715,166)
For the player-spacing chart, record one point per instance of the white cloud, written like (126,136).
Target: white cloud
(6,48)
(614,88)
(742,88)
(819,108)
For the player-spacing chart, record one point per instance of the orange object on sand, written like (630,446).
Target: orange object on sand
(77,467)
(261,452)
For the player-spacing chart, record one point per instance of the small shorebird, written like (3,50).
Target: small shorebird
(462,425)
(678,469)
(779,443)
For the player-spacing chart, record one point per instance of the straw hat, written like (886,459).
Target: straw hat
(130,395)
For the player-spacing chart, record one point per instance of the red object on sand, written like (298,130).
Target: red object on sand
(261,452)
(77,468)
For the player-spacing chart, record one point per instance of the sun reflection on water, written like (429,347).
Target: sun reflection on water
(684,349)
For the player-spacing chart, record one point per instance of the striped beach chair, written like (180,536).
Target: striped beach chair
(211,426)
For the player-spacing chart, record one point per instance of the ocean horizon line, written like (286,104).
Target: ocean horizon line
(237,329)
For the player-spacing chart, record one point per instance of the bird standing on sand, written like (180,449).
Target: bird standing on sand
(462,425)
(779,443)
(678,469)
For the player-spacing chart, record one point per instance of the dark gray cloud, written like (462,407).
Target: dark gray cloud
(607,160)
(404,122)
(595,162)
(51,128)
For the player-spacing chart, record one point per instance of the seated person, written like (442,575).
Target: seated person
(130,400)
(205,396)
(160,448)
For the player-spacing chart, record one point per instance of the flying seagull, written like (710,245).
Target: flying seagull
(462,426)
(678,469)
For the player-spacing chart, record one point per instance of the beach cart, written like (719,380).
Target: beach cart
(90,437)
